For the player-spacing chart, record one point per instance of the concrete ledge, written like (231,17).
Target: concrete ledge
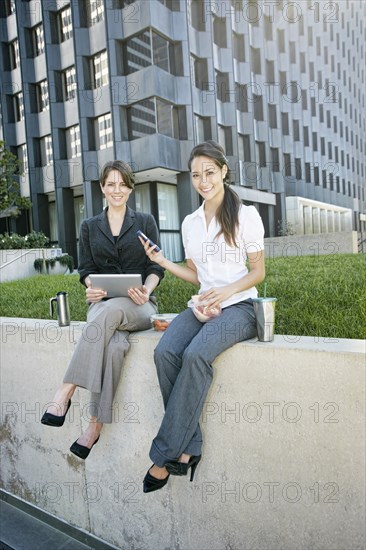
(284,454)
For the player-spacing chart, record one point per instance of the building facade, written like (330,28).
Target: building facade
(281,85)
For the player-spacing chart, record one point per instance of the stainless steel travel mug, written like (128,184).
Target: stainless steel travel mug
(265,313)
(62,308)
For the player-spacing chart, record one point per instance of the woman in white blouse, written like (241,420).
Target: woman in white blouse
(218,239)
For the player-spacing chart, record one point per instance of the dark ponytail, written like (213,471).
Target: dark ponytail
(227,214)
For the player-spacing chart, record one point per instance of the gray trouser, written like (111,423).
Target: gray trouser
(97,361)
(183,360)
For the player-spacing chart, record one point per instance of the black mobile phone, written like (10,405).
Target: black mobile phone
(146,239)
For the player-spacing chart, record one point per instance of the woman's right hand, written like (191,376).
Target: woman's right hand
(93,295)
(157,257)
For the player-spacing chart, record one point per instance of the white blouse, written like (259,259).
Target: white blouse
(217,263)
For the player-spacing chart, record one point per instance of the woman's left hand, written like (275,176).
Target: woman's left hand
(215,296)
(139,295)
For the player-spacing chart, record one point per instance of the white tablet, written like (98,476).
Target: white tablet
(116,285)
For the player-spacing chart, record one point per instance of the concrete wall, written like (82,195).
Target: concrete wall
(312,245)
(283,458)
(18,264)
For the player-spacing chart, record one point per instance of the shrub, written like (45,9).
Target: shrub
(35,239)
(43,265)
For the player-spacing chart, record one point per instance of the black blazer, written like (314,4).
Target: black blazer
(99,253)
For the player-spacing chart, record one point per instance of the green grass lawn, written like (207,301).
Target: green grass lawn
(321,296)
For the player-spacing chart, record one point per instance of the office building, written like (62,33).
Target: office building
(281,85)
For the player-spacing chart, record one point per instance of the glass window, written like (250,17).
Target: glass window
(203,128)
(197,15)
(73,141)
(138,52)
(222,86)
(65,24)
(261,153)
(142,197)
(219,31)
(23,157)
(275,160)
(38,38)
(70,83)
(199,72)
(100,65)
(161,52)
(19,107)
(105,134)
(244,147)
(142,119)
(226,139)
(14,54)
(238,47)
(79,213)
(96,9)
(272,114)
(169,221)
(48,149)
(43,99)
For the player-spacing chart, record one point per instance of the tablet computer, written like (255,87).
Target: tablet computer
(116,285)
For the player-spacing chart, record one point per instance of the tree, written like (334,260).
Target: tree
(11,201)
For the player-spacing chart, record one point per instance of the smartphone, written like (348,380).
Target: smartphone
(146,239)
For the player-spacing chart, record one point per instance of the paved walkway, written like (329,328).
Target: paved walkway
(21,531)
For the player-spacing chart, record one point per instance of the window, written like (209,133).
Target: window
(69,84)
(238,46)
(100,70)
(148,48)
(256,60)
(315,141)
(203,128)
(268,32)
(281,40)
(330,155)
(292,52)
(14,58)
(154,115)
(244,147)
(321,113)
(73,142)
(272,115)
(270,74)
(65,24)
(283,82)
(219,31)
(7,7)
(38,40)
(226,139)
(172,5)
(169,225)
(198,19)
(241,93)
(46,150)
(18,107)
(199,73)
(322,146)
(304,100)
(261,153)
(104,131)
(307,172)
(306,136)
(298,171)
(275,160)
(258,107)
(284,124)
(96,11)
(222,86)
(313,106)
(296,130)
(316,175)
(23,157)
(39,96)
(287,164)
(302,62)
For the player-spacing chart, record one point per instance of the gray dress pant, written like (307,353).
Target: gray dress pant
(97,361)
(183,360)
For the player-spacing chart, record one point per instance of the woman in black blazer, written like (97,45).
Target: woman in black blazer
(108,244)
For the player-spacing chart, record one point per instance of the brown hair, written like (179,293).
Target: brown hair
(228,212)
(123,168)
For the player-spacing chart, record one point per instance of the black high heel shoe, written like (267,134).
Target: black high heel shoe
(152,483)
(181,468)
(53,420)
(80,450)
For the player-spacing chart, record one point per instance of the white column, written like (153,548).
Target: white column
(316,220)
(308,220)
(323,221)
(330,216)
